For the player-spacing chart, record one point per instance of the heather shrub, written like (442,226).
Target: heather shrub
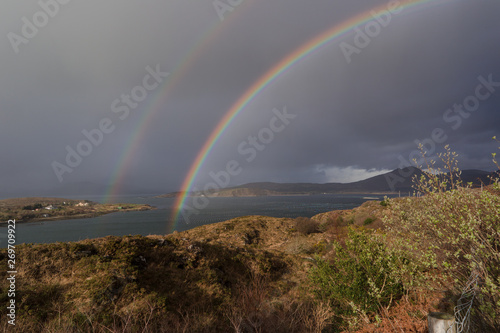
(305,225)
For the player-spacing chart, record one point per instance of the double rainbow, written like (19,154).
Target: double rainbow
(269,77)
(128,156)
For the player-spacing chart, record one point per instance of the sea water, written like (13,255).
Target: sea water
(159,221)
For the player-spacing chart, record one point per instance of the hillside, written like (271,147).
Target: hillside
(249,272)
(396,181)
(368,269)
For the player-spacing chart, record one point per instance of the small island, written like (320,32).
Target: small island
(51,209)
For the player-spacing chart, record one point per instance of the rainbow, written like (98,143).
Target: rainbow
(130,148)
(265,80)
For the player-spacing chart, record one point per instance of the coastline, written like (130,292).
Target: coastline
(221,195)
(76,217)
(68,211)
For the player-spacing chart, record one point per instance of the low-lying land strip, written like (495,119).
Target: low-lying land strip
(51,209)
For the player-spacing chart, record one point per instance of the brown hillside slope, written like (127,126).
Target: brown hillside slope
(246,274)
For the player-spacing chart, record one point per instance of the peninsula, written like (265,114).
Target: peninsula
(51,209)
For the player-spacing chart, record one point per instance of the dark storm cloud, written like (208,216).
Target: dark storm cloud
(371,112)
(353,119)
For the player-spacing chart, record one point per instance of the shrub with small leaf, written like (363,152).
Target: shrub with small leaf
(453,230)
(363,276)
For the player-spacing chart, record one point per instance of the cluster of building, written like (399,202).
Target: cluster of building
(53,207)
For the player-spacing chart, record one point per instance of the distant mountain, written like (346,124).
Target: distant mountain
(394,181)
(476,177)
(399,180)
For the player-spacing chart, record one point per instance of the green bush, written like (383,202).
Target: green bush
(455,231)
(368,221)
(363,276)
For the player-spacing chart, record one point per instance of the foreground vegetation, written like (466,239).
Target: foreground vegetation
(378,268)
(247,274)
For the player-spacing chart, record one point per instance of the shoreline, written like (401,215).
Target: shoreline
(279,195)
(106,209)
(76,217)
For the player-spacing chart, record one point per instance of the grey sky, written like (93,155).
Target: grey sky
(352,119)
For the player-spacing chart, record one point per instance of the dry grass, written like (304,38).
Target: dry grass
(198,281)
(244,275)
(408,315)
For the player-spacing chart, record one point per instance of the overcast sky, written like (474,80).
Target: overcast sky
(344,115)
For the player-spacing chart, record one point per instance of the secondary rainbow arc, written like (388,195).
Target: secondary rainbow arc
(128,154)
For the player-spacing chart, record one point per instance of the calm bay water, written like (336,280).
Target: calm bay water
(158,221)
